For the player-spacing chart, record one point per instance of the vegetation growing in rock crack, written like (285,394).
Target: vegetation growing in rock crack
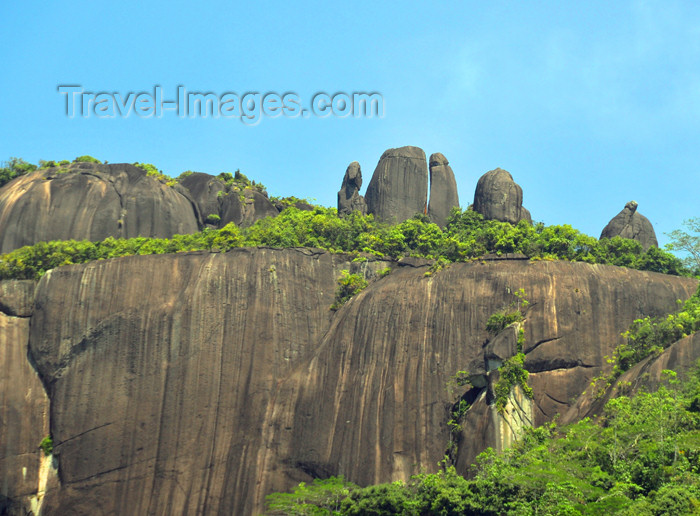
(641,458)
(46,445)
(454,424)
(649,336)
(515,312)
(348,286)
(512,373)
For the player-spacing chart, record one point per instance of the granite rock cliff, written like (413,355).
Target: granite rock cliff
(204,381)
(88,201)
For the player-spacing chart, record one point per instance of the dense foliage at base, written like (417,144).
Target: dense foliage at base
(642,458)
(467,236)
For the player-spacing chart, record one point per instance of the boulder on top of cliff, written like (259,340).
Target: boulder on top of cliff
(443,190)
(245,207)
(90,201)
(399,186)
(498,197)
(204,189)
(629,223)
(349,198)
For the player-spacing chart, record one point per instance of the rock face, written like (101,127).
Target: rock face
(349,198)
(87,201)
(204,381)
(681,357)
(498,197)
(443,190)
(204,189)
(629,223)
(378,378)
(214,197)
(245,207)
(174,371)
(24,407)
(399,186)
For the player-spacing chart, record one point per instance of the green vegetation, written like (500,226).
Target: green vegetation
(32,262)
(641,458)
(320,497)
(454,424)
(650,336)
(510,374)
(14,167)
(348,286)
(466,237)
(86,159)
(152,171)
(46,445)
(291,201)
(497,322)
(439,264)
(514,313)
(213,218)
(688,242)
(238,181)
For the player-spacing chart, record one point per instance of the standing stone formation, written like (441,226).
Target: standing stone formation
(349,198)
(631,224)
(443,190)
(399,186)
(498,197)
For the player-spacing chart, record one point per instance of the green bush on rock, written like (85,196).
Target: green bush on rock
(467,236)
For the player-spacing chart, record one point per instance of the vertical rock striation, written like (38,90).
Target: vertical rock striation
(24,405)
(443,190)
(88,201)
(161,370)
(197,383)
(399,186)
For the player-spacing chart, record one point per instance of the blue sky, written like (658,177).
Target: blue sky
(588,105)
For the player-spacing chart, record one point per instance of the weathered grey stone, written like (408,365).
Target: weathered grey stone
(204,189)
(228,372)
(443,190)
(245,207)
(349,198)
(89,201)
(502,347)
(399,186)
(17,297)
(629,223)
(498,197)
